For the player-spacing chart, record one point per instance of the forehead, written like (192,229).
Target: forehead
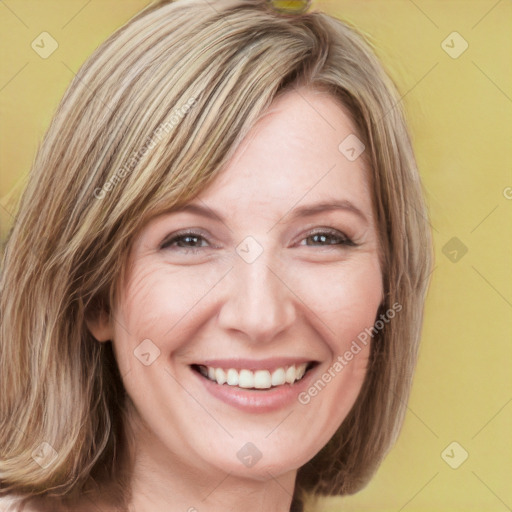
(293,152)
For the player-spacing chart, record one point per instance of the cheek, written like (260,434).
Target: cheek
(158,303)
(150,319)
(162,303)
(346,299)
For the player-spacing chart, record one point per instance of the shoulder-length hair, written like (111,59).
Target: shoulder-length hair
(147,123)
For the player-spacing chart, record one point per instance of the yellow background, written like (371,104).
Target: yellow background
(460,111)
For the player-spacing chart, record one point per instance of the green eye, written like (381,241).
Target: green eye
(289,6)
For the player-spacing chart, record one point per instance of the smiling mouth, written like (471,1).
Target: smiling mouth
(258,379)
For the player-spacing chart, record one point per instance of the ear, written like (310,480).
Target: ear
(99,324)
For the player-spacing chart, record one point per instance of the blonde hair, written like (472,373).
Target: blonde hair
(147,123)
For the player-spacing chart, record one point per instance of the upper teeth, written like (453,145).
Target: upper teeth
(259,379)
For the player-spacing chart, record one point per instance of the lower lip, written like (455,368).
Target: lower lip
(258,401)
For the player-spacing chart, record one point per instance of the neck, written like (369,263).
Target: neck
(162,481)
(169,492)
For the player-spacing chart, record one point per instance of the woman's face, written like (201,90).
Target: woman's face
(271,271)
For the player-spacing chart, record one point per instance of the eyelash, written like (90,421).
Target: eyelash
(334,234)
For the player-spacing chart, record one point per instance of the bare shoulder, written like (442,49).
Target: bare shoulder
(12,503)
(9,503)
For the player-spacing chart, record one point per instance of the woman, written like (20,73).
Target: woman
(212,294)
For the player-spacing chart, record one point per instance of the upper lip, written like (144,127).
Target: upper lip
(255,364)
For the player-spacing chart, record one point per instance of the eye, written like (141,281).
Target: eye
(328,237)
(190,241)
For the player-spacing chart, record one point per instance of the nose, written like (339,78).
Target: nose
(258,302)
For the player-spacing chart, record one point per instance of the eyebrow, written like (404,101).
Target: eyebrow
(325,206)
(300,212)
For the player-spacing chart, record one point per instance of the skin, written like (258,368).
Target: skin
(303,296)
